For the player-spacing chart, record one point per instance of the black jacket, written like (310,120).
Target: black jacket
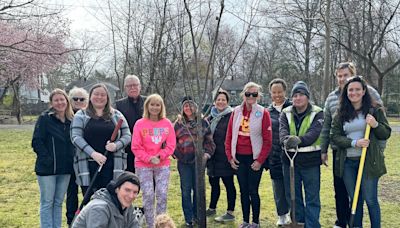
(274,160)
(308,159)
(218,165)
(132,112)
(51,142)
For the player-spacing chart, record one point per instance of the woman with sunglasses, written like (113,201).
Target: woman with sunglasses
(79,99)
(248,142)
(356,110)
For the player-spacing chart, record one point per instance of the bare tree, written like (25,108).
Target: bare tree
(367,33)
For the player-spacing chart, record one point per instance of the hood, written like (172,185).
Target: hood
(103,194)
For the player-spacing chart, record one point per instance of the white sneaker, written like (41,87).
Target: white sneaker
(335,226)
(283,220)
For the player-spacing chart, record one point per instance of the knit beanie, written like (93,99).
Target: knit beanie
(188,99)
(124,177)
(300,87)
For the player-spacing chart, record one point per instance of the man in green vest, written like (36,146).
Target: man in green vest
(299,130)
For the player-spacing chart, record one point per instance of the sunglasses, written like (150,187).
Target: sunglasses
(356,78)
(81,99)
(248,94)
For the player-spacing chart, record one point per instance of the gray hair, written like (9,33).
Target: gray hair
(77,90)
(131,77)
(250,85)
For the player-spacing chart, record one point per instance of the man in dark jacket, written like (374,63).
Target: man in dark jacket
(111,207)
(132,108)
(299,130)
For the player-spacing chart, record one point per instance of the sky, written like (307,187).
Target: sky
(84,15)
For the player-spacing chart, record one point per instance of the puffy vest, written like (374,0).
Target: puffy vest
(305,125)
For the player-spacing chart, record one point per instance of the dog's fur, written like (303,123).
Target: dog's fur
(138,213)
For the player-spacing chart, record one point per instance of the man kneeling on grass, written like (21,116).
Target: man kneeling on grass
(112,206)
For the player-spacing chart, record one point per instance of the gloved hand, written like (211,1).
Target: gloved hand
(292,142)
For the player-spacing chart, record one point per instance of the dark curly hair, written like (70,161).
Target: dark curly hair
(346,111)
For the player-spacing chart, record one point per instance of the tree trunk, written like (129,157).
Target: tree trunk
(17,102)
(3,94)
(327,50)
(200,174)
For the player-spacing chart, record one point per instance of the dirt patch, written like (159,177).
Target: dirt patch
(389,190)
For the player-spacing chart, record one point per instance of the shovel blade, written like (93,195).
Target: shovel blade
(293,225)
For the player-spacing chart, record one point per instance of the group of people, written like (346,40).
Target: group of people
(73,139)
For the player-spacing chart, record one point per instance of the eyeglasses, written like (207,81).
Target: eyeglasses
(81,99)
(132,85)
(248,94)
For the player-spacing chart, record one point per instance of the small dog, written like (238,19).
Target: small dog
(138,213)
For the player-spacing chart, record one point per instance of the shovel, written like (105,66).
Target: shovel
(86,197)
(293,224)
(359,177)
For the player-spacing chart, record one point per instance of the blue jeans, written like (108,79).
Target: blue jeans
(187,173)
(281,202)
(310,178)
(52,192)
(368,192)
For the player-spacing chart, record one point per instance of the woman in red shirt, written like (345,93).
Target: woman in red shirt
(248,142)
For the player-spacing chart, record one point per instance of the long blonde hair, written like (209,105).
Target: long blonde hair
(69,113)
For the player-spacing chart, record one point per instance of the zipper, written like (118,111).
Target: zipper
(54,155)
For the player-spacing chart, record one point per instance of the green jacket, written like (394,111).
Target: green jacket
(375,159)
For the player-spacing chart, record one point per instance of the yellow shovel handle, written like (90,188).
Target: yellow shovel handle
(360,172)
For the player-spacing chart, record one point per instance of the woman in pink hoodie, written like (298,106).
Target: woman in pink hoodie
(153,141)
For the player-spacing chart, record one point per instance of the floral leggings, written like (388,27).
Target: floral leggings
(158,176)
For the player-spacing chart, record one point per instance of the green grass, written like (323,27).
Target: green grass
(29,118)
(19,195)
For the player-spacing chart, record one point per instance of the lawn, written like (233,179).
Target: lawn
(19,195)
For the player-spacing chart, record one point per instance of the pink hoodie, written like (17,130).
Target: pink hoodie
(147,138)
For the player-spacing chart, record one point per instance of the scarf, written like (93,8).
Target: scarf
(217,116)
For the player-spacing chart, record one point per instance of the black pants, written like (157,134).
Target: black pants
(103,178)
(72,199)
(343,207)
(249,182)
(130,160)
(216,190)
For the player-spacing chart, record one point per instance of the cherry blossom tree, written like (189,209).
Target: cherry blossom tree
(26,53)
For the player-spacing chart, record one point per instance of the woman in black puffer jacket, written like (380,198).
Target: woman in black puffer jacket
(277,90)
(218,166)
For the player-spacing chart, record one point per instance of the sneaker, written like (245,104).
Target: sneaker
(189,225)
(283,220)
(210,212)
(225,218)
(244,225)
(254,225)
(336,226)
